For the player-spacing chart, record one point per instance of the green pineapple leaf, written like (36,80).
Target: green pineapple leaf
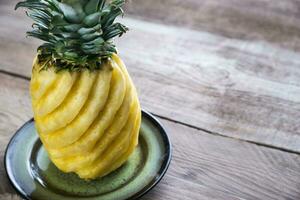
(77,34)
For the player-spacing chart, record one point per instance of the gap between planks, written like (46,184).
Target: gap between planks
(226,136)
(14,74)
(179,122)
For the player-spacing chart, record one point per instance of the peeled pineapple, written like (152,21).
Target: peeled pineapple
(85,105)
(87,121)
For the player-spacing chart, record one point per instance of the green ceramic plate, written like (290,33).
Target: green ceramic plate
(35,177)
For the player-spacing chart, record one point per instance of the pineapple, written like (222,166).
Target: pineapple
(85,106)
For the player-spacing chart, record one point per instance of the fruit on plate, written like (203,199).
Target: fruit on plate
(85,105)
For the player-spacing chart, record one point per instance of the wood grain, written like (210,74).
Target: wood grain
(274,21)
(235,87)
(204,166)
(8,196)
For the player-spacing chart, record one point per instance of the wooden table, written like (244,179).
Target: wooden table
(223,76)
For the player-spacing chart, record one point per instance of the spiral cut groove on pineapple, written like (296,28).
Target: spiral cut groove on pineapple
(88,121)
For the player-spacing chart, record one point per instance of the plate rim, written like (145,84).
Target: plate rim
(161,172)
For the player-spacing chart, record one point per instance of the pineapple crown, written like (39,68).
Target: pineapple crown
(76,33)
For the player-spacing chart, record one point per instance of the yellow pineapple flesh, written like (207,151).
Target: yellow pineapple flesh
(88,123)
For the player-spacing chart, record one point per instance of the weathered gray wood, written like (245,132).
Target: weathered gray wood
(233,87)
(16,51)
(248,90)
(8,196)
(275,21)
(204,166)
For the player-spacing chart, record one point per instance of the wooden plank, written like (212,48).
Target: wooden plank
(8,196)
(271,20)
(267,20)
(242,89)
(16,51)
(204,166)
(233,87)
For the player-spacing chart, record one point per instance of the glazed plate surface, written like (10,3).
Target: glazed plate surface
(34,176)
